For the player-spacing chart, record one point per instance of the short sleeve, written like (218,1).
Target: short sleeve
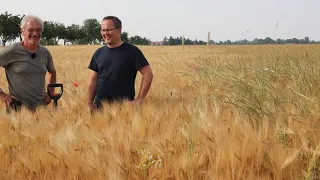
(139,60)
(6,56)
(93,63)
(50,65)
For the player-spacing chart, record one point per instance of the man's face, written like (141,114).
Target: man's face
(109,33)
(32,32)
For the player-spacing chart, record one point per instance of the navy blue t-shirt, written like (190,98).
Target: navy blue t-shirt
(117,69)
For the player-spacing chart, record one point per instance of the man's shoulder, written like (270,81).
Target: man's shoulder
(44,49)
(99,50)
(13,45)
(11,49)
(131,47)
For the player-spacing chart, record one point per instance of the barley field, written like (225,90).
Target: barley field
(218,112)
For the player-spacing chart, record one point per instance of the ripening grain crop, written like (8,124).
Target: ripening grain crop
(223,112)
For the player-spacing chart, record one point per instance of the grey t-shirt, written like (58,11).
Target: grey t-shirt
(26,76)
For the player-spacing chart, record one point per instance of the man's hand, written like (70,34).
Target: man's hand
(47,100)
(90,107)
(136,102)
(6,98)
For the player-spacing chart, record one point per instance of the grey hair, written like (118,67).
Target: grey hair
(28,18)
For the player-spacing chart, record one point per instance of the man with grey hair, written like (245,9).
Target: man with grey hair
(26,64)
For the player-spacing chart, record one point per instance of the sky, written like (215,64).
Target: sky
(154,19)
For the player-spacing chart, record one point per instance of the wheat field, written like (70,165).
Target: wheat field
(217,112)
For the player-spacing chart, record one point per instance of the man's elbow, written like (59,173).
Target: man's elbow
(151,77)
(148,72)
(93,82)
(52,72)
(148,76)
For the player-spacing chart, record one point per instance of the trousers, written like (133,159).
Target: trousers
(16,106)
(110,100)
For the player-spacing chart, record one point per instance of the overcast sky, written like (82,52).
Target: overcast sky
(154,19)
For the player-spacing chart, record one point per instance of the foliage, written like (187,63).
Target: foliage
(9,27)
(89,33)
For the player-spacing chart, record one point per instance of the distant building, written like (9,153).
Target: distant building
(157,43)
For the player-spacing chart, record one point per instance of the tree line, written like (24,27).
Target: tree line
(178,41)
(269,40)
(89,33)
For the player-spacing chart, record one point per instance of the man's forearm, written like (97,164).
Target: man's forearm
(52,78)
(92,92)
(92,87)
(145,86)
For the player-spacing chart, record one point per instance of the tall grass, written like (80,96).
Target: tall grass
(227,112)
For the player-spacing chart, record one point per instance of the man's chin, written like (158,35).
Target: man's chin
(33,41)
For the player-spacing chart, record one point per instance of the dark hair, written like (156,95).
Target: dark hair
(116,21)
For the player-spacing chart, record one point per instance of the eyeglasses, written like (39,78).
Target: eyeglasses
(107,30)
(30,30)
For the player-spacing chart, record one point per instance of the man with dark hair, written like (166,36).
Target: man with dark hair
(116,21)
(114,68)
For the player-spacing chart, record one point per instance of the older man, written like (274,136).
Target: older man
(114,68)
(26,64)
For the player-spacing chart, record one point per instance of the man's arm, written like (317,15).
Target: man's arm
(52,78)
(93,80)
(5,60)
(92,88)
(146,81)
(6,98)
(52,74)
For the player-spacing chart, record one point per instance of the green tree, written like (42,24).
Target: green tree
(125,36)
(171,41)
(138,40)
(91,28)
(268,40)
(73,33)
(307,40)
(188,42)
(49,33)
(9,27)
(165,41)
(82,37)
(61,32)
(53,32)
